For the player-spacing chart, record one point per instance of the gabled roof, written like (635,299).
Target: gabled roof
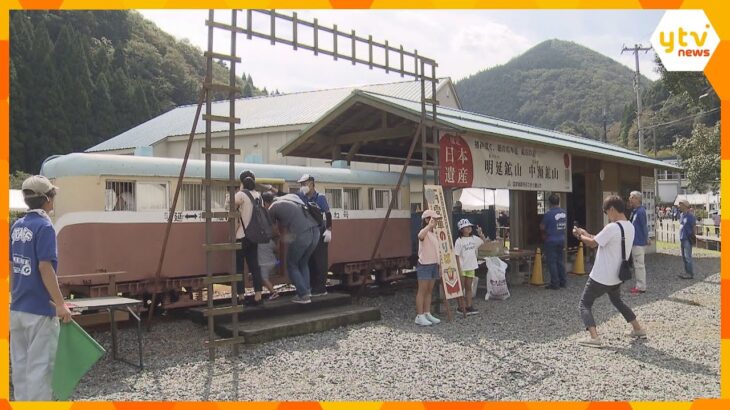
(464,121)
(258,112)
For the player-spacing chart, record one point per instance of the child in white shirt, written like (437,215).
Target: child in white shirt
(466,249)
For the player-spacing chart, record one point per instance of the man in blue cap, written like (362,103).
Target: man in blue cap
(37,302)
(318,263)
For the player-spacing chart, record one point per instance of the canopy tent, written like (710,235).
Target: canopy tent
(480,198)
(17,203)
(698,199)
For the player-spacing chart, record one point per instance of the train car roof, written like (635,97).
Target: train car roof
(80,164)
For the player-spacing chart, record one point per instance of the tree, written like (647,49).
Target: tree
(17,178)
(695,84)
(700,156)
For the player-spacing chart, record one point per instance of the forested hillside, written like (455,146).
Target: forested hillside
(567,87)
(80,77)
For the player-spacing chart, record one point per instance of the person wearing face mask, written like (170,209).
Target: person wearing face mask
(37,302)
(318,262)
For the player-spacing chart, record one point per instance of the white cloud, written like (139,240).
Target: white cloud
(463,42)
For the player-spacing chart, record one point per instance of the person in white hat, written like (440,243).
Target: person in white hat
(37,302)
(318,262)
(427,270)
(687,223)
(466,248)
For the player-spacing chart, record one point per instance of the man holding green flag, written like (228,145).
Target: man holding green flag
(37,302)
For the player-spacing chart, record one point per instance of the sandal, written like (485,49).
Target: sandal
(274,295)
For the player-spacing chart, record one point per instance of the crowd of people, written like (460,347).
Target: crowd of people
(624,239)
(303,222)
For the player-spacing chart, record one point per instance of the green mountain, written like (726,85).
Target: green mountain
(80,77)
(556,85)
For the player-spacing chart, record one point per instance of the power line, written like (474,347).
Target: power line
(684,118)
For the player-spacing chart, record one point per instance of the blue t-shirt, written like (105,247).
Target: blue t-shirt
(687,222)
(641,229)
(554,222)
(32,240)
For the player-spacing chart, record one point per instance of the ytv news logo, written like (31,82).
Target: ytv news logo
(684,40)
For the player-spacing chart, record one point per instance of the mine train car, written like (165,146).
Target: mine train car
(112,210)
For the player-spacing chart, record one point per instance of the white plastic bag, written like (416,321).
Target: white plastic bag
(496,280)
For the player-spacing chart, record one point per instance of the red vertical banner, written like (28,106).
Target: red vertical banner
(456,167)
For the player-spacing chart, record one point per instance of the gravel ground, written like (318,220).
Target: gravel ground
(523,348)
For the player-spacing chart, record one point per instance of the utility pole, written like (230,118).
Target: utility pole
(637,88)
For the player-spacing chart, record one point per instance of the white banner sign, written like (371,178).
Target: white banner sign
(447,260)
(467,162)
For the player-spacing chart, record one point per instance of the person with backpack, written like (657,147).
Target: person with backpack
(246,199)
(300,231)
(318,263)
(614,244)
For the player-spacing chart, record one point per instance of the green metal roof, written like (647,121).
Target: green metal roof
(299,108)
(465,121)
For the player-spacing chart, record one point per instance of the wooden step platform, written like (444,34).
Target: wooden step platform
(283,318)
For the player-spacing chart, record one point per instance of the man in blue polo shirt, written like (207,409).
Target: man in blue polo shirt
(553,227)
(687,222)
(641,240)
(37,302)
(318,263)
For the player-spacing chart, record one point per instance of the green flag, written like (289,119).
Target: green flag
(77,352)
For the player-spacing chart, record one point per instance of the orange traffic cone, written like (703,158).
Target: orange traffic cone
(579,264)
(536,278)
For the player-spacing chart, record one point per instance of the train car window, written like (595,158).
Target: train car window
(218,198)
(120,196)
(191,196)
(382,199)
(334,197)
(151,196)
(351,198)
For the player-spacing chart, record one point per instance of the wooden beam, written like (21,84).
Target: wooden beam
(374,135)
(336,152)
(360,113)
(353,150)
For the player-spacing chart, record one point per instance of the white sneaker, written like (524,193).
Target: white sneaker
(432,318)
(421,320)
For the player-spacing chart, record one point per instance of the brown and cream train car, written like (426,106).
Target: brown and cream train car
(111,213)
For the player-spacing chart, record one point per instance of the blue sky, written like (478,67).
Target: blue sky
(461,41)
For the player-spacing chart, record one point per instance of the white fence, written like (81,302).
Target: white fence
(668,231)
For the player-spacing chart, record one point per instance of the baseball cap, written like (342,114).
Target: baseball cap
(684,202)
(246,173)
(430,213)
(305,178)
(39,184)
(464,223)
